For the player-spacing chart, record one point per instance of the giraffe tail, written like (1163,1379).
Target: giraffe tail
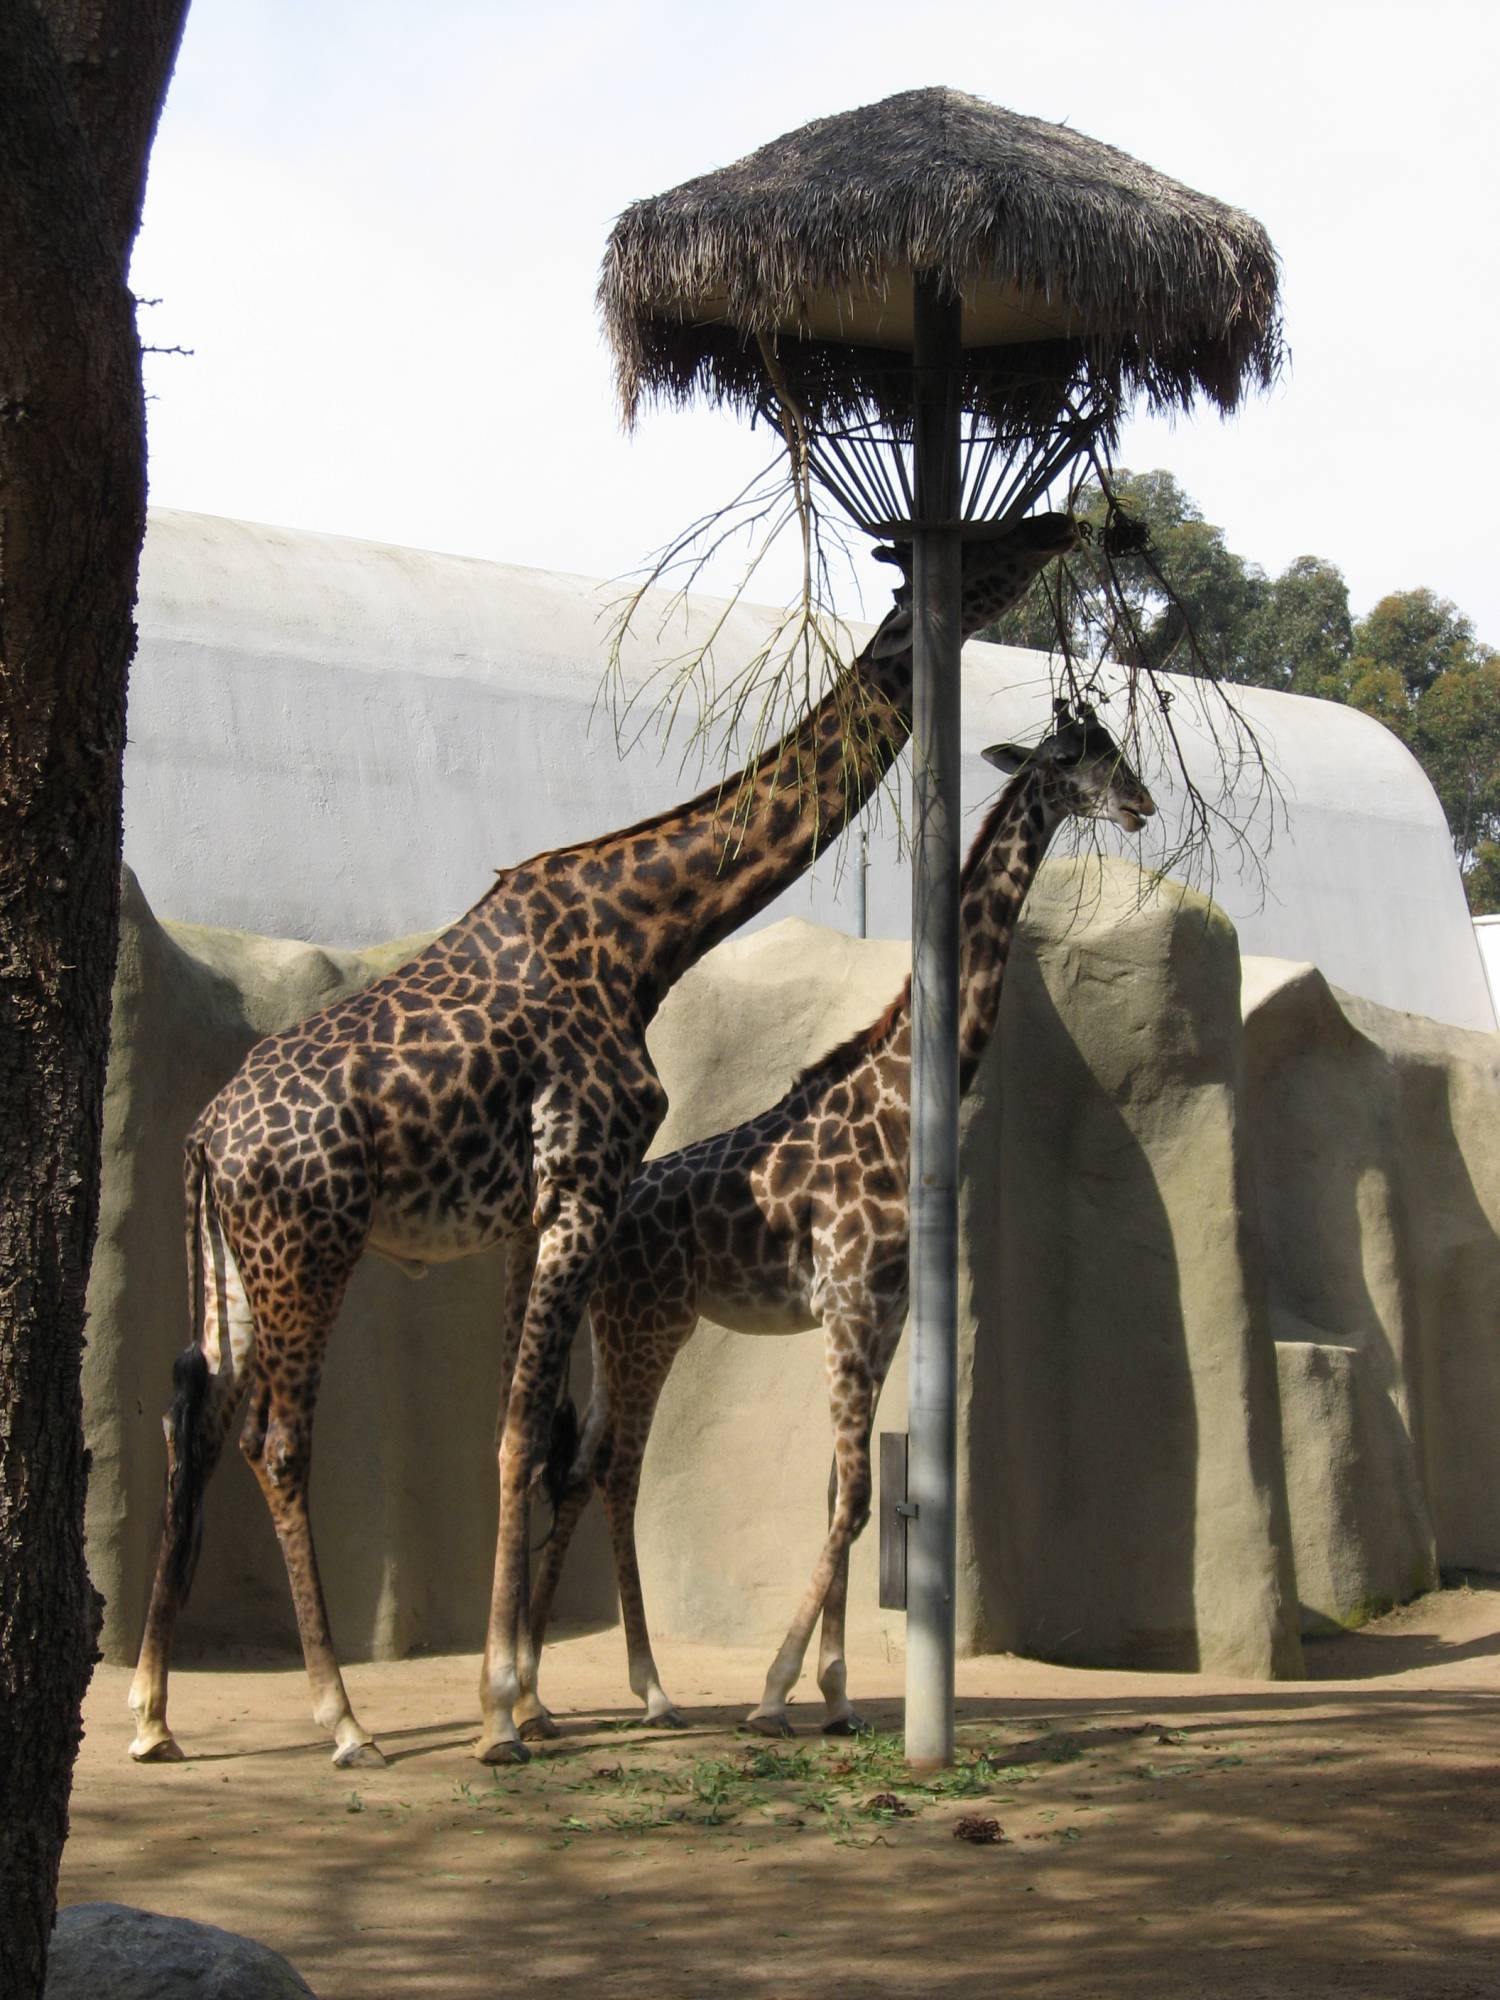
(186,1472)
(188,1465)
(574,1450)
(558,1469)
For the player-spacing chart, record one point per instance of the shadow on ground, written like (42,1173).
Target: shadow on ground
(1162,1836)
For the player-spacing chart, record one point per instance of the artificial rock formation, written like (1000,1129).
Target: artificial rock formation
(1124,1413)
(1376,1149)
(1228,1367)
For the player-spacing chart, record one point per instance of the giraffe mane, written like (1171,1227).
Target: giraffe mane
(723,789)
(844,1056)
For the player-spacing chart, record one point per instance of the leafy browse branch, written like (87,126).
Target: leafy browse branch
(1413,661)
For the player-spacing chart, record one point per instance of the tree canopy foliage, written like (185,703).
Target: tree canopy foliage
(1413,661)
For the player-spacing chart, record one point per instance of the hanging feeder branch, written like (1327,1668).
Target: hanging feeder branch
(783,286)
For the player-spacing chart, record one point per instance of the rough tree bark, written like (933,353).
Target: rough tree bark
(81,87)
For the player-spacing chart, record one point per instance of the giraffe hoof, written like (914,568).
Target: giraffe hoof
(360,1756)
(670,1718)
(773,1724)
(539,1729)
(847,1725)
(156,1750)
(505,1751)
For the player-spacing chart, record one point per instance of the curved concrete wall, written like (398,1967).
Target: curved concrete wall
(1487,935)
(332,739)
(1230,1361)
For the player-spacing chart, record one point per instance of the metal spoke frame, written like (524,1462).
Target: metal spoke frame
(868,468)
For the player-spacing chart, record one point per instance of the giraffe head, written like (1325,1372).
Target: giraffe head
(1080,770)
(996,571)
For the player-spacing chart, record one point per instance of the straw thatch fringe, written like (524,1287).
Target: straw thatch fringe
(1176,292)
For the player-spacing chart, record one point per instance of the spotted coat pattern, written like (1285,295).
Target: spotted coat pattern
(798,1218)
(496,1089)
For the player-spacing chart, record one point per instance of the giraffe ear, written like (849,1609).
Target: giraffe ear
(1007,757)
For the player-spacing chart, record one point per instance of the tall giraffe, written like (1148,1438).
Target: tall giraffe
(495,1089)
(798,1218)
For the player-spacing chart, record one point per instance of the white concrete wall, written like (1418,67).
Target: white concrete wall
(338,740)
(1487,935)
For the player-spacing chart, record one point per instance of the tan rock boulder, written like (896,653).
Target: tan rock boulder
(1376,1141)
(1124,1418)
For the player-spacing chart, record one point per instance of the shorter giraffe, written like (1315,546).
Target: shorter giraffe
(798,1218)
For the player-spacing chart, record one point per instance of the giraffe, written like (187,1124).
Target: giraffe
(495,1089)
(798,1218)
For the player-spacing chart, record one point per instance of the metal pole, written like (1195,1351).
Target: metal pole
(932,1402)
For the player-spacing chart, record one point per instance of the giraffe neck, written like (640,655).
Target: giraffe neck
(1000,873)
(699,872)
(626,915)
(688,878)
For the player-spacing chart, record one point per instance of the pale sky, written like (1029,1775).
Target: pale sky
(379,227)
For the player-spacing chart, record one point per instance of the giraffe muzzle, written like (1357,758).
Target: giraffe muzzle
(1052,534)
(1132,814)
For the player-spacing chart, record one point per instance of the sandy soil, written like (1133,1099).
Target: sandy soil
(1164,1835)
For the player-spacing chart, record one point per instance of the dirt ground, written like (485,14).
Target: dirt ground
(1163,1835)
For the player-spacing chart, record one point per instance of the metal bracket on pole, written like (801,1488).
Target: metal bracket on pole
(895,1511)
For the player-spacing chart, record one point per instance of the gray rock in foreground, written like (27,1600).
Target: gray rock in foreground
(104,1951)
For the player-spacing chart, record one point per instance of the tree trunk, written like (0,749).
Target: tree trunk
(81,85)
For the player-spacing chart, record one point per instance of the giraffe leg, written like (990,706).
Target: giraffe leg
(499,1677)
(853,1404)
(209,1381)
(621,1485)
(532,1718)
(578,1199)
(633,1355)
(520,1268)
(568,1507)
(202,1414)
(570,1248)
(277,1442)
(840,1718)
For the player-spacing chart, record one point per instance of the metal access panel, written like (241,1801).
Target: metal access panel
(895,1511)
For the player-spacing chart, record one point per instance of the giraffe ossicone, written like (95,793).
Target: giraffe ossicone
(797,1218)
(496,1089)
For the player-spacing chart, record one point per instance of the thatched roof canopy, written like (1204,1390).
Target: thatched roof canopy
(1078,268)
